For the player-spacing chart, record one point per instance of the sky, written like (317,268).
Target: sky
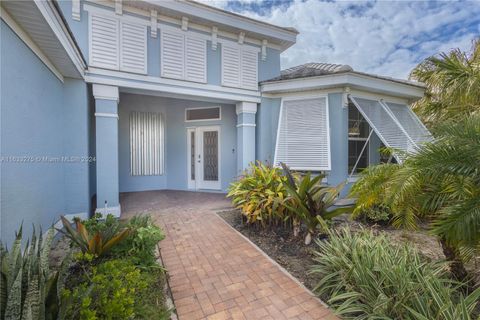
(381,37)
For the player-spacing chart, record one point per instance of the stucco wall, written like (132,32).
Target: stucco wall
(175,176)
(42,119)
(266,130)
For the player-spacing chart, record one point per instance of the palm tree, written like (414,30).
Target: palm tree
(440,183)
(452,85)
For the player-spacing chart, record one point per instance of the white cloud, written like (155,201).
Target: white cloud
(387,38)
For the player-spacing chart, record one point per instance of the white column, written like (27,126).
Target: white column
(245,134)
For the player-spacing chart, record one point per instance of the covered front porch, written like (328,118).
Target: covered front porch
(151,141)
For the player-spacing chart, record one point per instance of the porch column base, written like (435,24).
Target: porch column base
(115,211)
(245,134)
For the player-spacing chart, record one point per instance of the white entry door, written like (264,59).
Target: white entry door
(203,153)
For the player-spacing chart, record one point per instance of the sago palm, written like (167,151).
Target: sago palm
(453,85)
(441,182)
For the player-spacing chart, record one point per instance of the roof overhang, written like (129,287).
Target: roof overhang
(40,26)
(224,20)
(353,80)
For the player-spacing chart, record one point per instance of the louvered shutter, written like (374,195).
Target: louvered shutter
(384,125)
(303,140)
(410,122)
(249,69)
(133,47)
(195,59)
(173,54)
(230,65)
(104,42)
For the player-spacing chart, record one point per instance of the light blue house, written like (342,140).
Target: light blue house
(104,97)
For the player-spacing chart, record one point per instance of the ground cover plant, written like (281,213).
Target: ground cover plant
(111,272)
(365,276)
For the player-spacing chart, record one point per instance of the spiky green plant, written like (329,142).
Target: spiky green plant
(28,288)
(98,243)
(453,82)
(365,276)
(310,201)
(441,182)
(259,194)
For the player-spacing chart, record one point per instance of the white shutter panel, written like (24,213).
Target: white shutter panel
(249,69)
(133,47)
(230,65)
(195,59)
(173,54)
(384,125)
(410,122)
(303,140)
(104,42)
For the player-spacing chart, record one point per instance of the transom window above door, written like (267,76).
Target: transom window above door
(202,114)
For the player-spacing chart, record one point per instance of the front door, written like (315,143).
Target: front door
(203,151)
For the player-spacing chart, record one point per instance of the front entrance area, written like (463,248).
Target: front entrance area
(203,154)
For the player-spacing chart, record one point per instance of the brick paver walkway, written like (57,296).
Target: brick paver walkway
(215,273)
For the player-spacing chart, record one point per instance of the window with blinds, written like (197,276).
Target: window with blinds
(239,66)
(147,142)
(395,124)
(183,56)
(117,44)
(303,139)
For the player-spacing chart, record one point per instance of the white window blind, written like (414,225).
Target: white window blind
(195,59)
(104,42)
(173,54)
(133,47)
(303,140)
(116,44)
(184,56)
(385,125)
(410,122)
(147,142)
(239,66)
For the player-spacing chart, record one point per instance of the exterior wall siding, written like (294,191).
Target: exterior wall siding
(175,176)
(47,120)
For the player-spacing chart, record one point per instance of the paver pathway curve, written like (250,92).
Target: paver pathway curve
(216,273)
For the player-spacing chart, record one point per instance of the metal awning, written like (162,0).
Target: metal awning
(395,124)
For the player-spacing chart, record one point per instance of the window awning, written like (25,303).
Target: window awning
(395,124)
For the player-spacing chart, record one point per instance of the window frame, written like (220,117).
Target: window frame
(202,120)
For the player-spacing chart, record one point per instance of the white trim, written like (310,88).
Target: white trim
(118,7)
(214,38)
(353,80)
(76,10)
(136,81)
(153,23)
(184,23)
(311,96)
(211,119)
(377,97)
(246,125)
(245,107)
(106,115)
(264,49)
(55,21)
(190,182)
(241,37)
(29,42)
(104,92)
(115,211)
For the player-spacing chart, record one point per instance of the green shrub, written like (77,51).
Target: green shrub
(364,276)
(141,243)
(110,292)
(260,194)
(376,214)
(310,201)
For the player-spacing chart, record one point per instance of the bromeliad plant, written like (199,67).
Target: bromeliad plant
(310,201)
(96,244)
(260,194)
